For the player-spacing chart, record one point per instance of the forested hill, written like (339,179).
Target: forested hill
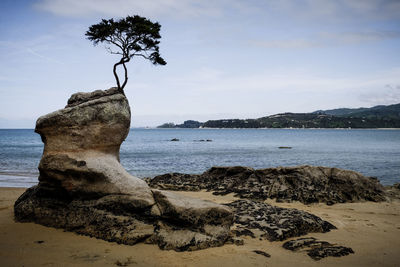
(375,117)
(391,111)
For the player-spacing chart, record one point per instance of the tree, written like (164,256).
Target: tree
(132,36)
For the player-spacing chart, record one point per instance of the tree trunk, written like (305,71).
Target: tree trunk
(116,77)
(126,76)
(122,61)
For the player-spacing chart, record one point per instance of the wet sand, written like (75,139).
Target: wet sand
(372,230)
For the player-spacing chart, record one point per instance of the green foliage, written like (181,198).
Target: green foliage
(131,36)
(377,112)
(307,120)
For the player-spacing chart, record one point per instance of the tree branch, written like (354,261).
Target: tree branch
(112,52)
(140,55)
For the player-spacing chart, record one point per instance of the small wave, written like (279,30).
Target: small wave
(17,180)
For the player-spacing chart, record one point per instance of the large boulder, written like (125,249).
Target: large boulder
(81,145)
(84,188)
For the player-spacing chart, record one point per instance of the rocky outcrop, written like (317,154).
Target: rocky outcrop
(307,184)
(317,249)
(81,146)
(261,220)
(83,188)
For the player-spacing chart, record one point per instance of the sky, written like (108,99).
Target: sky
(225,58)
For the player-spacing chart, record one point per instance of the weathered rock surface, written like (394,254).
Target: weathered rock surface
(393,191)
(81,146)
(83,188)
(317,249)
(307,184)
(261,220)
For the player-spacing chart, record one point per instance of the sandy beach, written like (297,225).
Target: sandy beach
(372,230)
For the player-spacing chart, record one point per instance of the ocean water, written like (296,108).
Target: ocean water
(149,152)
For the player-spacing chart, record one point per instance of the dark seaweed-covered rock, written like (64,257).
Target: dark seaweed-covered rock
(243,232)
(317,249)
(307,184)
(329,251)
(176,181)
(260,252)
(274,223)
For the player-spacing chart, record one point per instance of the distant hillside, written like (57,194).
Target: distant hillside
(377,112)
(340,111)
(375,117)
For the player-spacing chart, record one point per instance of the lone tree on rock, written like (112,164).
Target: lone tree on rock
(131,36)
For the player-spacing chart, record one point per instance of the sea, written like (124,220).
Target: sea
(150,152)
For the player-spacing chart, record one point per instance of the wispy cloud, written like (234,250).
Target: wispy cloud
(326,10)
(329,39)
(293,9)
(389,94)
(299,81)
(32,52)
(84,8)
(36,47)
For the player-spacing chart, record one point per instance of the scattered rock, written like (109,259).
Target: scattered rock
(393,191)
(307,184)
(127,262)
(317,249)
(83,188)
(257,219)
(235,240)
(260,252)
(329,251)
(243,232)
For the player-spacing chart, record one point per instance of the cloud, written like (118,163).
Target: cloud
(327,39)
(32,52)
(286,44)
(85,8)
(339,9)
(390,94)
(209,91)
(291,9)
(36,47)
(290,80)
(359,37)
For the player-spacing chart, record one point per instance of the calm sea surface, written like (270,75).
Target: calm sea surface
(149,152)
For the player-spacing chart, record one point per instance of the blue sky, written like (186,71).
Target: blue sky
(226,58)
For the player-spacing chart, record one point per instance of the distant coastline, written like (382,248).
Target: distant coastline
(378,117)
(264,128)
